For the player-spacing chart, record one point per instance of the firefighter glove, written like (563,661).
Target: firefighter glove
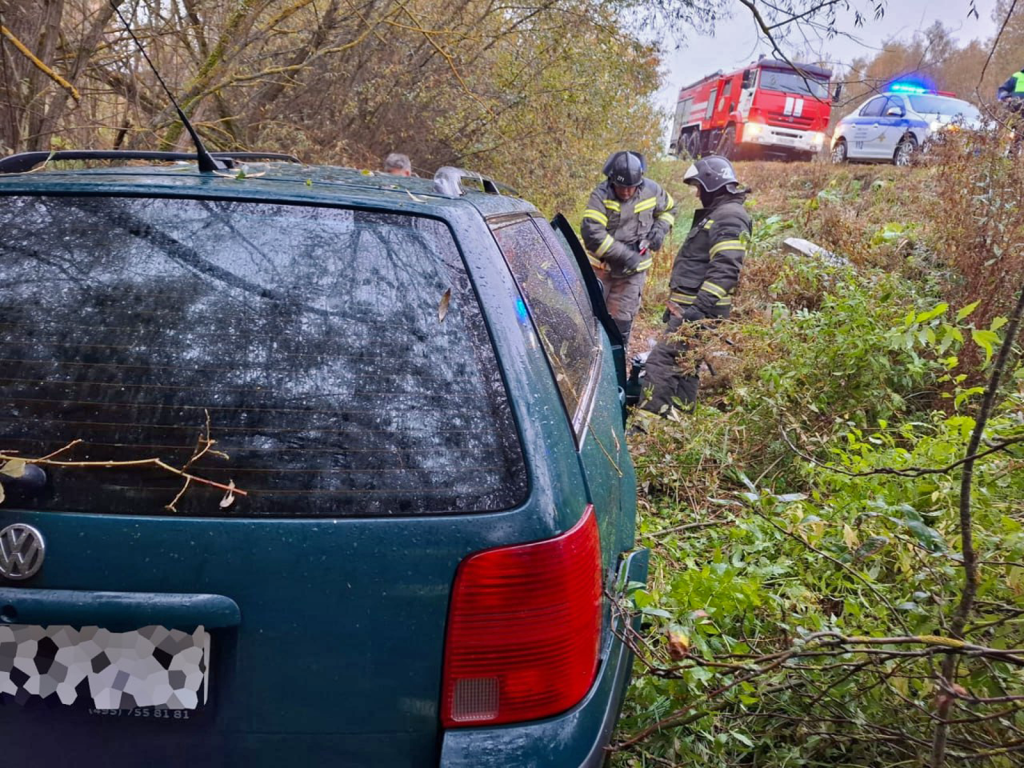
(633,260)
(656,240)
(693,314)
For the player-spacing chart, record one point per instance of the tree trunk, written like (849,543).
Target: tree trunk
(211,67)
(49,35)
(86,48)
(270,93)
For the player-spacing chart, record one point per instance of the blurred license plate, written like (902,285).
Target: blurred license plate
(786,140)
(153,667)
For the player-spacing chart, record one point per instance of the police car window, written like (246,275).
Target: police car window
(338,359)
(939,105)
(874,107)
(895,102)
(567,336)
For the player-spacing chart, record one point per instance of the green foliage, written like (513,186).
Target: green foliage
(536,96)
(859,556)
(562,95)
(814,506)
(844,357)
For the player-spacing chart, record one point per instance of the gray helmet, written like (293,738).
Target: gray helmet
(712,173)
(625,169)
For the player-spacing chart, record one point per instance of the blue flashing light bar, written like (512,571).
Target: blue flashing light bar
(907,88)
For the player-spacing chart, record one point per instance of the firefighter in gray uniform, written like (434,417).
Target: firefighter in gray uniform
(626,219)
(704,277)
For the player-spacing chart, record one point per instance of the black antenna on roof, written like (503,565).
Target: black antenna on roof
(207,162)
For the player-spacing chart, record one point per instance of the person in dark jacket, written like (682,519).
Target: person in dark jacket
(626,219)
(704,277)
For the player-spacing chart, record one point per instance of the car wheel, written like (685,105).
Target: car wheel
(904,154)
(839,152)
(727,146)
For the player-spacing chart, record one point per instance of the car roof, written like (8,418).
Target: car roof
(888,94)
(265,181)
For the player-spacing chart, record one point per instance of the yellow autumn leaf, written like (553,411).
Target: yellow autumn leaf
(13,468)
(678,646)
(229,497)
(442,310)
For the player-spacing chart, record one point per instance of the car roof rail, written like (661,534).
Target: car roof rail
(26,161)
(449,181)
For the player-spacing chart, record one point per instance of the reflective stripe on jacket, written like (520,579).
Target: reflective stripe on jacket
(707,266)
(612,228)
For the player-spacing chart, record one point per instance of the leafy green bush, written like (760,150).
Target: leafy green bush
(806,531)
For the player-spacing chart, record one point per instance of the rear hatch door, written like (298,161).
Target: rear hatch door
(270,431)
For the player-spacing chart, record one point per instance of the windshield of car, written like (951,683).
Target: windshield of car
(793,82)
(326,362)
(942,105)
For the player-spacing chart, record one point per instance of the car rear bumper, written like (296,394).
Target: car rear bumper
(575,739)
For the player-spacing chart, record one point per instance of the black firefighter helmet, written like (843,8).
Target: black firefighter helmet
(625,169)
(711,174)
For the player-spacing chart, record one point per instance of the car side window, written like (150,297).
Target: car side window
(570,270)
(567,336)
(874,107)
(895,102)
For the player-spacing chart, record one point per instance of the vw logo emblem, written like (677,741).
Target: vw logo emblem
(22,551)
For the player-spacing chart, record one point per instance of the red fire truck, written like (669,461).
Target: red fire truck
(769,108)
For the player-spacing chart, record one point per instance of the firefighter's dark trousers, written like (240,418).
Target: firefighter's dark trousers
(666,376)
(622,297)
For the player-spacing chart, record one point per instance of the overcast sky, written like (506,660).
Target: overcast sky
(736,41)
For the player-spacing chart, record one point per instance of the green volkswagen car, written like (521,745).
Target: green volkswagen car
(304,466)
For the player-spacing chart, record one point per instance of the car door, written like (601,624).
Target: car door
(583,366)
(894,123)
(595,293)
(867,130)
(606,460)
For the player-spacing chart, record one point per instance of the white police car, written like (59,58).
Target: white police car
(890,127)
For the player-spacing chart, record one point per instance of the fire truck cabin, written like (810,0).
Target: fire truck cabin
(769,108)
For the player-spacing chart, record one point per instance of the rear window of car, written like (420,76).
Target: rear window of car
(337,359)
(939,105)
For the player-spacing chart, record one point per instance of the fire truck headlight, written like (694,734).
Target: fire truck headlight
(752,131)
(817,139)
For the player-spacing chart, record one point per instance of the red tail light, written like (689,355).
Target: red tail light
(523,629)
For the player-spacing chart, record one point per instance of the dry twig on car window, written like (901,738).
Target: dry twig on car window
(204,446)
